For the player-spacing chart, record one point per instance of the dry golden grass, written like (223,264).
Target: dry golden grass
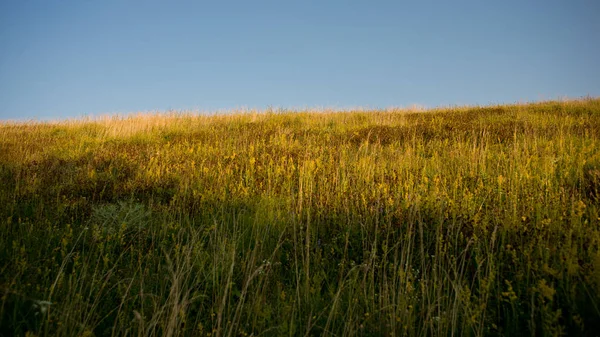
(464,220)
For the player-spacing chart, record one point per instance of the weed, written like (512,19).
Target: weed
(470,221)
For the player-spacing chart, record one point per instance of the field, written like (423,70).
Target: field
(467,221)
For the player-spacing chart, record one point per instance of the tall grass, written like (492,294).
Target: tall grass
(465,221)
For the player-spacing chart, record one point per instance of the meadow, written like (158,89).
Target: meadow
(475,221)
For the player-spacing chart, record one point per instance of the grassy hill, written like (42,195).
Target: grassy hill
(473,221)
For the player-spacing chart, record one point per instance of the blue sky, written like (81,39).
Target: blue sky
(61,59)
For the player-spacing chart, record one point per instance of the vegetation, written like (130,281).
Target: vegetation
(468,221)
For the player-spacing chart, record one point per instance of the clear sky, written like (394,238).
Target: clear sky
(62,59)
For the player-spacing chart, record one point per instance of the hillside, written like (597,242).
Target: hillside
(474,221)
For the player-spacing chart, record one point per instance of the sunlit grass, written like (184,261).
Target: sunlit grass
(470,220)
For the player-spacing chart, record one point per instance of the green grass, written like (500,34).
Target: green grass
(466,221)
